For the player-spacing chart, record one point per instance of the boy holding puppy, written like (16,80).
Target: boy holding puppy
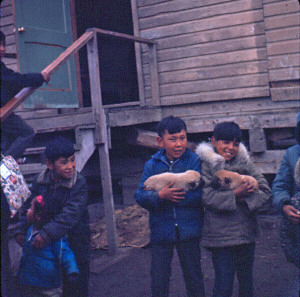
(230,223)
(175,216)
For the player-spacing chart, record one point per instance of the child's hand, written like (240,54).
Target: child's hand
(244,189)
(291,213)
(46,76)
(171,194)
(39,242)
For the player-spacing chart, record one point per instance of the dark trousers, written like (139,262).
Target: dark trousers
(226,262)
(189,254)
(80,288)
(16,136)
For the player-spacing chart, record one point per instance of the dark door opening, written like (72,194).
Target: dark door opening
(116,56)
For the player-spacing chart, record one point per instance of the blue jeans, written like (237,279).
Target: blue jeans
(226,262)
(189,254)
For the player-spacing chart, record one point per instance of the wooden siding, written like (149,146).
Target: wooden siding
(7,27)
(282,26)
(207,50)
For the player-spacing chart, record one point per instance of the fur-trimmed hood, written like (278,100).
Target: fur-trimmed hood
(207,153)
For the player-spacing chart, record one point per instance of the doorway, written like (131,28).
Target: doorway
(117,60)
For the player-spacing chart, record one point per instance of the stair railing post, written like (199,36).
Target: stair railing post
(101,141)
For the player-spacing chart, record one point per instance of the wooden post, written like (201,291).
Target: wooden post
(153,74)
(101,141)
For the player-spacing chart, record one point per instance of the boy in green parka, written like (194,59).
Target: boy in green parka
(230,223)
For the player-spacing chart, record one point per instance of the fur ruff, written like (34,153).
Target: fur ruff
(207,153)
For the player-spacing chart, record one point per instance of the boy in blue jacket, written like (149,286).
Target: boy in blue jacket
(175,216)
(39,271)
(65,193)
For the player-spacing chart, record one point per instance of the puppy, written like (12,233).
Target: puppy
(228,180)
(188,180)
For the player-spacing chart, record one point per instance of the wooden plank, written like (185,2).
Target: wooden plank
(138,55)
(257,140)
(280,8)
(60,122)
(54,66)
(153,75)
(280,94)
(245,120)
(211,48)
(130,117)
(123,36)
(282,21)
(245,81)
(282,34)
(102,144)
(268,162)
(211,35)
(213,60)
(283,47)
(197,74)
(171,17)
(203,25)
(242,108)
(290,73)
(232,94)
(170,6)
(27,169)
(284,61)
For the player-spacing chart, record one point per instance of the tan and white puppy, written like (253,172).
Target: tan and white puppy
(188,180)
(228,180)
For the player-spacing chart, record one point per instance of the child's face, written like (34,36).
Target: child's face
(63,167)
(2,49)
(175,144)
(227,149)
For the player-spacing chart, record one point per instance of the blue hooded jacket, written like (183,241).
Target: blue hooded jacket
(284,185)
(164,215)
(41,267)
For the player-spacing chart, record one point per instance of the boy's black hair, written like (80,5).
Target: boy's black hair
(2,37)
(171,124)
(229,131)
(43,212)
(58,147)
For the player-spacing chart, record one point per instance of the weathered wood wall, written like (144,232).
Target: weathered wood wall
(221,50)
(282,27)
(7,27)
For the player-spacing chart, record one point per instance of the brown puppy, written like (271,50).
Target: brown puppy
(228,180)
(188,180)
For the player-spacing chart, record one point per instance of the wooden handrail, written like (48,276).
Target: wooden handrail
(8,108)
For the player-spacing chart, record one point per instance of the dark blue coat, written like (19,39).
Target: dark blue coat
(284,185)
(68,202)
(41,267)
(13,82)
(187,214)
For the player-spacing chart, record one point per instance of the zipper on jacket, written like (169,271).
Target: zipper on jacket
(177,235)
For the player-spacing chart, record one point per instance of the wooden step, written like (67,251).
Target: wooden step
(32,169)
(34,151)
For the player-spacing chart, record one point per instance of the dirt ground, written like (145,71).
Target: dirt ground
(127,274)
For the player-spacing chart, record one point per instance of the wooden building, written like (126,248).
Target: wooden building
(205,61)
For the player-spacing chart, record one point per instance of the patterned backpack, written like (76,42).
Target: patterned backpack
(13,184)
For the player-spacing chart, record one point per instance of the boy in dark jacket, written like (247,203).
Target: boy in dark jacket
(65,193)
(175,216)
(16,134)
